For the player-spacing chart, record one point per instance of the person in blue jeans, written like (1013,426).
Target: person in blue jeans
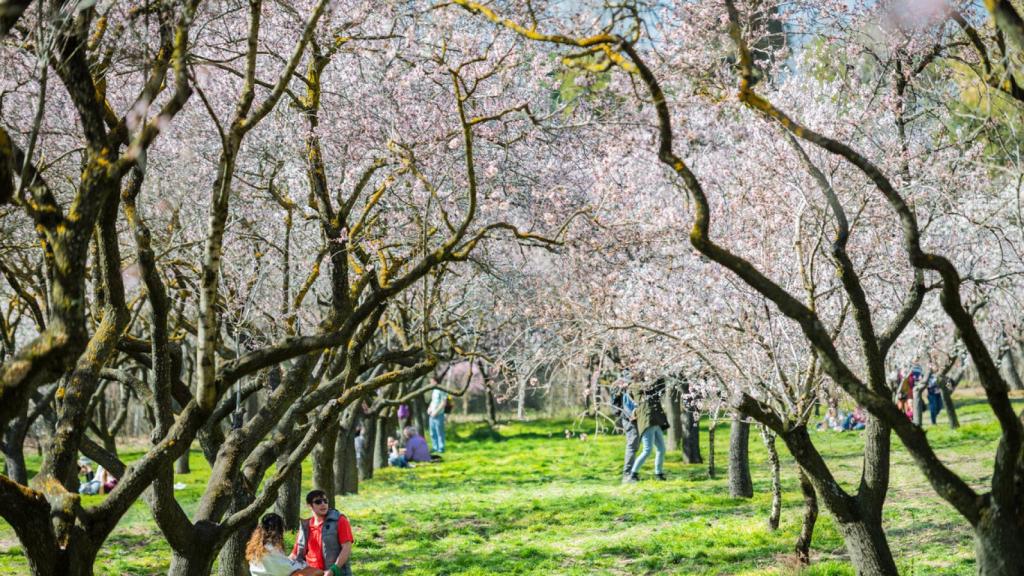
(934,397)
(436,412)
(624,406)
(652,423)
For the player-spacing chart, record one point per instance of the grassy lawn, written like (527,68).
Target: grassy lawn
(529,501)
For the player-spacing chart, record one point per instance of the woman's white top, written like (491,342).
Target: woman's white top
(275,563)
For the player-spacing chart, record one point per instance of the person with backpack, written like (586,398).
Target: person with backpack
(438,407)
(652,422)
(325,539)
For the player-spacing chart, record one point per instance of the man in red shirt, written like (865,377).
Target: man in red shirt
(325,539)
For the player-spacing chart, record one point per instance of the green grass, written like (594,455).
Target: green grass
(529,501)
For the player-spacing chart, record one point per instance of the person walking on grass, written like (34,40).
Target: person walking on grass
(436,410)
(934,397)
(265,551)
(652,423)
(325,539)
(623,407)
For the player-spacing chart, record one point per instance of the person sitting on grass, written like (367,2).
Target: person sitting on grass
(101,482)
(855,420)
(325,539)
(831,421)
(415,449)
(107,480)
(92,483)
(265,551)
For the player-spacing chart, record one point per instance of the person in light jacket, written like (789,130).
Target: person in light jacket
(438,400)
(265,551)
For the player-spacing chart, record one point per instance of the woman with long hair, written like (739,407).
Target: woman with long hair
(265,551)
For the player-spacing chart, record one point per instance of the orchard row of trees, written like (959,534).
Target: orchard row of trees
(259,224)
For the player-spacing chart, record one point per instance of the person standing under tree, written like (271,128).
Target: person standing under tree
(934,396)
(436,410)
(325,539)
(624,406)
(404,416)
(652,423)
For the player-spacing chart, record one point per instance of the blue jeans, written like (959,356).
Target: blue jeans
(90,487)
(437,432)
(655,437)
(398,461)
(934,405)
(632,443)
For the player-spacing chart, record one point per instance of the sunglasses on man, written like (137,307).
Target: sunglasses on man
(320,501)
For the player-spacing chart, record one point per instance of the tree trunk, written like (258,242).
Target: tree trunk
(949,405)
(593,407)
(195,564)
(773,464)
(109,443)
(198,560)
(232,556)
(1009,362)
(803,542)
(492,405)
(346,474)
(691,436)
(419,412)
(252,403)
(14,463)
(676,434)
(380,443)
(39,544)
(323,463)
(369,441)
(868,548)
(859,518)
(289,497)
(231,561)
(181,465)
(14,450)
(997,543)
(740,485)
(712,424)
(1018,350)
(78,559)
(521,400)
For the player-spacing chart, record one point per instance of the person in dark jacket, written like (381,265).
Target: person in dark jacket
(652,423)
(934,396)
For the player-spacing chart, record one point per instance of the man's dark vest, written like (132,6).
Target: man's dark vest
(329,537)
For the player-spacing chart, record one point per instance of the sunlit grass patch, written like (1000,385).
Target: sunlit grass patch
(523,499)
